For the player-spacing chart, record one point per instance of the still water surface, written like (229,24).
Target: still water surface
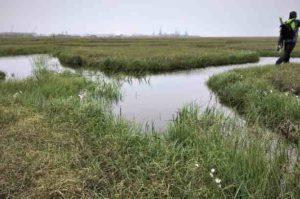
(158,99)
(20,67)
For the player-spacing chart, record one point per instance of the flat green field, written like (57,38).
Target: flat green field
(140,55)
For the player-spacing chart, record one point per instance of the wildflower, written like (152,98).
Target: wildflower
(17,94)
(286,93)
(212,171)
(196,165)
(271,91)
(220,186)
(218,181)
(81,95)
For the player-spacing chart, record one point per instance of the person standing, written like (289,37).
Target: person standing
(288,37)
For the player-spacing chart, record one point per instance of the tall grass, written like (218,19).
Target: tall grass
(257,94)
(2,76)
(55,144)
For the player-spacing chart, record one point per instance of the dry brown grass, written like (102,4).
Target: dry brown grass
(37,160)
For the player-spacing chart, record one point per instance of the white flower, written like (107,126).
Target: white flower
(220,186)
(286,94)
(211,175)
(213,170)
(196,165)
(81,95)
(271,91)
(218,181)
(17,94)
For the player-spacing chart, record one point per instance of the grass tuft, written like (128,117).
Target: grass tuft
(257,94)
(2,76)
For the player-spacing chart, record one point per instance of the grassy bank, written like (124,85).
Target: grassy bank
(2,76)
(141,55)
(265,95)
(55,145)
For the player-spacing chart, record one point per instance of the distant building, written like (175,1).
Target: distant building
(17,34)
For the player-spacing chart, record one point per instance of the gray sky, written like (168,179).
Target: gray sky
(199,17)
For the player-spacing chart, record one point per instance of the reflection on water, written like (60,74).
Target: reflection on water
(151,101)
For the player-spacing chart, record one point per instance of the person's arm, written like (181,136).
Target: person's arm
(280,40)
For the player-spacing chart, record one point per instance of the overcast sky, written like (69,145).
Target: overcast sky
(199,17)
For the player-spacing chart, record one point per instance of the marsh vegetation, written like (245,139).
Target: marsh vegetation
(60,139)
(56,144)
(2,76)
(142,55)
(266,95)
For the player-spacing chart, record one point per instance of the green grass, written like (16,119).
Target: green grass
(264,95)
(54,145)
(142,55)
(287,79)
(2,76)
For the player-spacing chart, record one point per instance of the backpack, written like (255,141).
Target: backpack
(288,30)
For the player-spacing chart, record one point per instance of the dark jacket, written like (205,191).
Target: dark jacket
(295,25)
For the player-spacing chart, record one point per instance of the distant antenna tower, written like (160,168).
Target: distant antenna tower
(160,32)
(186,33)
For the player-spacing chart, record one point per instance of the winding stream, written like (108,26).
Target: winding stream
(154,100)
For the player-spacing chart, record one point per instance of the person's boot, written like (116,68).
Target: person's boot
(278,62)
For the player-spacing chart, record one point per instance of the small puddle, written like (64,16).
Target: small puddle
(152,101)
